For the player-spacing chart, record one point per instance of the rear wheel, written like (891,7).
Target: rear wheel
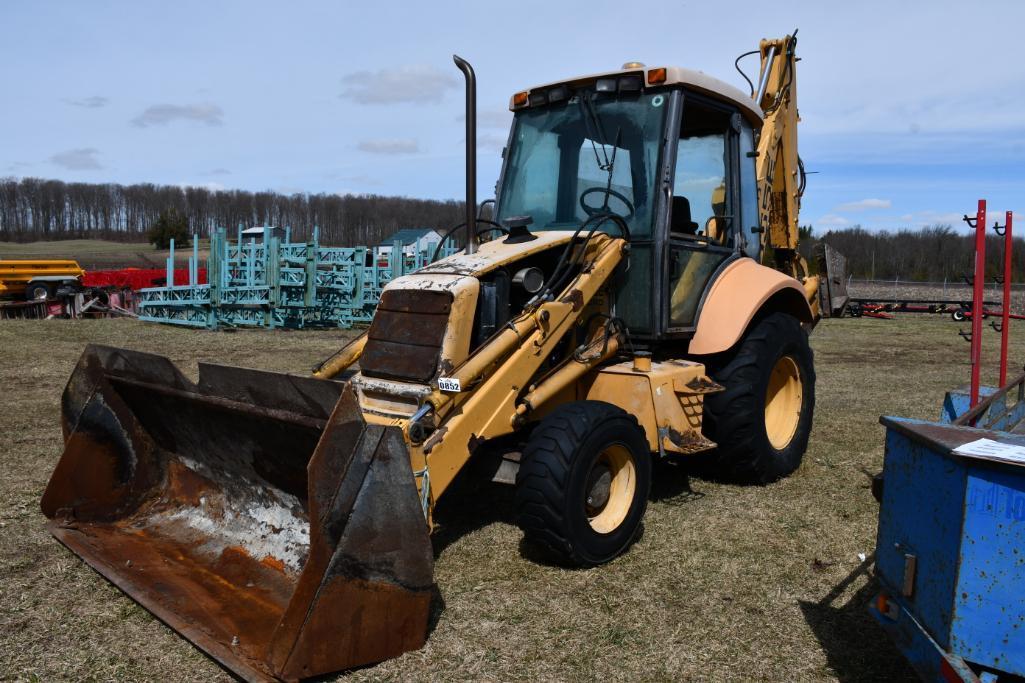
(583,483)
(38,290)
(762,420)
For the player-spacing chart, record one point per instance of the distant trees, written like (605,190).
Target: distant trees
(37,209)
(170,225)
(935,253)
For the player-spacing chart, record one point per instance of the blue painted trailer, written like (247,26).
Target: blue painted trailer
(950,550)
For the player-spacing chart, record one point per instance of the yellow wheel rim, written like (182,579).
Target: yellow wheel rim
(610,490)
(783,400)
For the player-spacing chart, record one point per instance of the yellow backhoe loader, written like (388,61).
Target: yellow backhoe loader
(624,310)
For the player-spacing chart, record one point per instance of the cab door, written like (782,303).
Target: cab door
(703,208)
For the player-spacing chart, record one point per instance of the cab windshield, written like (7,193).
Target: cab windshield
(593,152)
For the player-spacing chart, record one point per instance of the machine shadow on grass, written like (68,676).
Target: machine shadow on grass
(671,482)
(856,647)
(471,503)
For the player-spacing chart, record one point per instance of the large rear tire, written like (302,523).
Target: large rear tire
(762,420)
(583,483)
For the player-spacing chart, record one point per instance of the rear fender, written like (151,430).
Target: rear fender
(743,290)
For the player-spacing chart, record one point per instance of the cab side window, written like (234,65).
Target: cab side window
(701,178)
(701,235)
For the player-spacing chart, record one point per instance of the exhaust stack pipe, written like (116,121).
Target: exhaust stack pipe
(471,153)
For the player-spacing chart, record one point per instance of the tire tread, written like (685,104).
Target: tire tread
(734,418)
(544,474)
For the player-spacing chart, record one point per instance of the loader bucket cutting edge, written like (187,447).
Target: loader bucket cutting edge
(255,513)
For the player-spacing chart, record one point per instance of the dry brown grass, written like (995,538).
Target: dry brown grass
(726,583)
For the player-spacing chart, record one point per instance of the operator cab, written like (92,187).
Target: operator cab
(668,150)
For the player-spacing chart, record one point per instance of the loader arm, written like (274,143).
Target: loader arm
(498,393)
(496,389)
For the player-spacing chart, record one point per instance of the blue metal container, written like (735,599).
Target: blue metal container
(950,551)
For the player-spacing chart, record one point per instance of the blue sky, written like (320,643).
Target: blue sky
(910,110)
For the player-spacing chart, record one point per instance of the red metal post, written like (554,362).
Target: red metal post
(1005,323)
(977,297)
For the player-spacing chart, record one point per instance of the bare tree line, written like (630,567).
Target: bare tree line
(936,254)
(36,209)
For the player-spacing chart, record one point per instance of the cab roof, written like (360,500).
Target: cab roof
(695,80)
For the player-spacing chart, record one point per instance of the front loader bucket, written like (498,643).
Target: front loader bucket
(255,513)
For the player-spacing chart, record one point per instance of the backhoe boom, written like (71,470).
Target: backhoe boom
(778,169)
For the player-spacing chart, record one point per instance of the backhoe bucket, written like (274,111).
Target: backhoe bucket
(833,296)
(255,513)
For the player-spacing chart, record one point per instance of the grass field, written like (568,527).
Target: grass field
(726,583)
(99,254)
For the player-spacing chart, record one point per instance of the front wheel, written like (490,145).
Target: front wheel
(762,420)
(583,483)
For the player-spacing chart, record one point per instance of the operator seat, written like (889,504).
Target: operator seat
(685,289)
(680,219)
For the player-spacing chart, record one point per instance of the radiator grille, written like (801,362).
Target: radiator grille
(405,338)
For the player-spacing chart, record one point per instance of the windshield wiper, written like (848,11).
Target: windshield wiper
(591,116)
(596,130)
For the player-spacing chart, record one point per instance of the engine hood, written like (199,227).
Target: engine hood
(489,255)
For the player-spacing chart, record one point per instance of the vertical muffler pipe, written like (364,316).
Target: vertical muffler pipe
(471,153)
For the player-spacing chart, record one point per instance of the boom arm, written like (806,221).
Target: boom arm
(779,172)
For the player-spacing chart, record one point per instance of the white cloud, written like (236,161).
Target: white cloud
(832,220)
(94,102)
(163,114)
(360,179)
(210,186)
(912,112)
(492,118)
(82,159)
(930,217)
(415,83)
(490,142)
(865,204)
(389,146)
(218,171)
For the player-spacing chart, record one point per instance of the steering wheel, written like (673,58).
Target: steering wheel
(595,210)
(491,225)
